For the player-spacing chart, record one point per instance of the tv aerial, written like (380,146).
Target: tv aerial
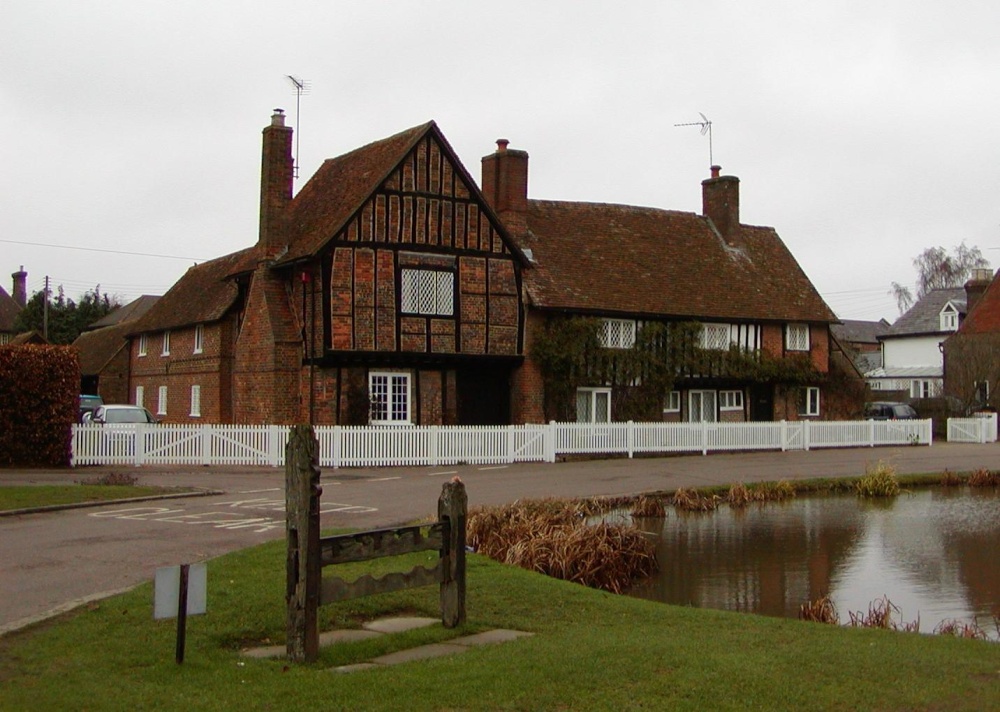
(706,128)
(301,87)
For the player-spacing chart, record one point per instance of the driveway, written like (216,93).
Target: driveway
(56,560)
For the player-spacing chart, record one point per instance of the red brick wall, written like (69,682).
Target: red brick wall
(527,384)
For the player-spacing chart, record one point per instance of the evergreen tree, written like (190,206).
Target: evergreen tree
(67,319)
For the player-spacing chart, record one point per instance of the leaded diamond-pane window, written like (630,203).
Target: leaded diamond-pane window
(618,334)
(797,337)
(428,292)
(715,336)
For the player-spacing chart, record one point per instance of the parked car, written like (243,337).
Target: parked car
(118,414)
(886,410)
(87,405)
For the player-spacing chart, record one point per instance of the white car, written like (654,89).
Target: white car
(119,414)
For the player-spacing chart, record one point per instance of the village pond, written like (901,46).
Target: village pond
(934,553)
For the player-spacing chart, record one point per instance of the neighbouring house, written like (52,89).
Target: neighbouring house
(972,354)
(11,306)
(386,291)
(912,357)
(104,353)
(715,313)
(392,290)
(860,339)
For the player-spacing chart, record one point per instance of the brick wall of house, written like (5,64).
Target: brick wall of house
(181,369)
(527,383)
(113,381)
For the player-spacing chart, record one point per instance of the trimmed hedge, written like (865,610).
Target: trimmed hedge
(39,391)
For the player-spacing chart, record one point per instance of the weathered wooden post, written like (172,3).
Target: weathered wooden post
(303,570)
(452,508)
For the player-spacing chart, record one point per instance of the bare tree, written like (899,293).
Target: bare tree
(939,269)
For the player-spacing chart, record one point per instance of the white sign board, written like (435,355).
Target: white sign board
(166,596)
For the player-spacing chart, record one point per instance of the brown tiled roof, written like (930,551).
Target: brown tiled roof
(99,346)
(340,187)
(204,294)
(649,262)
(28,337)
(9,309)
(127,312)
(985,315)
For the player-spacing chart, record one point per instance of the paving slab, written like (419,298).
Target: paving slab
(399,625)
(330,637)
(423,652)
(490,637)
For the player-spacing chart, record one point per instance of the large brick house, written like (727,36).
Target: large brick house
(392,290)
(629,267)
(385,291)
(972,354)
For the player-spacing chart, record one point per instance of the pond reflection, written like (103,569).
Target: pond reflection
(935,553)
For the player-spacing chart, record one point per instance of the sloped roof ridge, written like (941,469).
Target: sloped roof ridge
(616,206)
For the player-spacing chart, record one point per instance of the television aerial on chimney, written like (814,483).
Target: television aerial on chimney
(706,128)
(301,87)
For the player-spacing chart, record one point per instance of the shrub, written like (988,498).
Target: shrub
(984,478)
(878,481)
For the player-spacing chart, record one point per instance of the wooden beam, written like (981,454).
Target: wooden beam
(335,589)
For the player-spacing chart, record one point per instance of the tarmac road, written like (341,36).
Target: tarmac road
(54,561)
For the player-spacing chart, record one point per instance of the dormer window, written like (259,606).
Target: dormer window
(949,318)
(618,334)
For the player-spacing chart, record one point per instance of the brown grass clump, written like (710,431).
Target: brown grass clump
(775,491)
(821,610)
(960,629)
(984,478)
(878,481)
(689,500)
(554,538)
(950,479)
(739,495)
(880,615)
(649,506)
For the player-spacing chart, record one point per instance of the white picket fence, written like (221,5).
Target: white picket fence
(343,446)
(980,429)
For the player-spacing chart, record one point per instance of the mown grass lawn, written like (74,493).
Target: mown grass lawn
(30,496)
(591,650)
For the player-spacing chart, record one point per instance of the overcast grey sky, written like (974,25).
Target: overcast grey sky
(863,132)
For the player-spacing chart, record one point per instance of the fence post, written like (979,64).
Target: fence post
(550,442)
(432,455)
(704,438)
(871,432)
(511,443)
(805,435)
(630,437)
(452,507)
(140,444)
(784,435)
(274,444)
(302,562)
(206,444)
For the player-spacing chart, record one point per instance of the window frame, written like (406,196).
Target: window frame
(391,378)
(721,330)
(161,401)
(795,343)
(673,404)
(166,343)
(143,345)
(948,317)
(140,396)
(809,407)
(618,333)
(195,401)
(734,395)
(199,338)
(441,282)
(592,393)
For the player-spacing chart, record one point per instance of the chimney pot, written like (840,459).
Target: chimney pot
(278,117)
(716,170)
(502,145)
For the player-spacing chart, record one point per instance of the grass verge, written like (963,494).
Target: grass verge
(31,496)
(592,650)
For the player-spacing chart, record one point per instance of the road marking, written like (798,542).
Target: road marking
(439,474)
(385,479)
(497,467)
(272,489)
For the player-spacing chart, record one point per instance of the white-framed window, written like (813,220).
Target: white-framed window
(195,402)
(593,405)
(618,333)
(921,389)
(716,337)
(140,395)
(143,344)
(949,318)
(702,407)
(673,404)
(730,400)
(875,385)
(199,338)
(161,401)
(4,338)
(809,401)
(426,291)
(389,398)
(166,344)
(797,337)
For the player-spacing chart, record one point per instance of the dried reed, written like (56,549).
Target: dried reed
(821,610)
(553,537)
(649,506)
(950,479)
(739,495)
(984,478)
(960,629)
(880,613)
(878,481)
(774,491)
(689,500)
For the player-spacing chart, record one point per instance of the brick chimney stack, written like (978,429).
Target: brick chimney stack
(720,202)
(276,176)
(505,185)
(20,287)
(976,286)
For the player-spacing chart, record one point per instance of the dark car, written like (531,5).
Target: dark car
(885,410)
(88,403)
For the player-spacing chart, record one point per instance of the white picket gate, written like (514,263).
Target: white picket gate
(982,428)
(383,446)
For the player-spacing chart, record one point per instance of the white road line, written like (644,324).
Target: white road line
(440,474)
(272,489)
(497,467)
(385,479)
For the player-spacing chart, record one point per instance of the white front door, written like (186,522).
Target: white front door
(701,407)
